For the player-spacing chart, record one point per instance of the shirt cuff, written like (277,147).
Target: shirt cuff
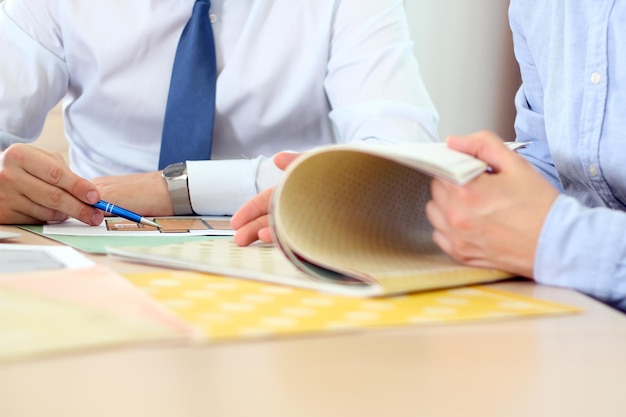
(220,187)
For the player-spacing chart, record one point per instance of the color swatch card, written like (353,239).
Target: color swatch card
(169,226)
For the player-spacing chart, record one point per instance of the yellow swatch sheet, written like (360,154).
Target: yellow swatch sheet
(225,308)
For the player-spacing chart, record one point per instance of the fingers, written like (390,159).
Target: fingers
(258,229)
(484,145)
(266,235)
(36,185)
(9,216)
(251,221)
(59,175)
(474,223)
(49,202)
(253,209)
(450,225)
(284,159)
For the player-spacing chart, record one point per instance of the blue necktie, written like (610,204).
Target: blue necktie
(190,111)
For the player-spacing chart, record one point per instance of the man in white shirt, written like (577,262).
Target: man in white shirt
(292,75)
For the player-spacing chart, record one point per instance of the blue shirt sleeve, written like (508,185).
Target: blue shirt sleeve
(570,108)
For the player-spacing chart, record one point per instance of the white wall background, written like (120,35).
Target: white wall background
(466,58)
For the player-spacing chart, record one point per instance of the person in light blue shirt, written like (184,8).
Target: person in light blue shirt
(571,229)
(558,212)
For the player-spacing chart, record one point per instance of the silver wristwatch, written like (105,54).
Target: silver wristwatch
(175,175)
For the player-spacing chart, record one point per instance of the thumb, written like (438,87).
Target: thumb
(484,145)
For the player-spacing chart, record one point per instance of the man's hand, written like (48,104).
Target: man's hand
(495,220)
(144,193)
(37,186)
(251,221)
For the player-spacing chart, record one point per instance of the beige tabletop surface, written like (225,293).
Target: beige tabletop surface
(570,366)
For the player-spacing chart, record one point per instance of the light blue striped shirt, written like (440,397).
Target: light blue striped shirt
(572,107)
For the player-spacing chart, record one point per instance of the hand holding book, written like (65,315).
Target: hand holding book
(355,215)
(352,217)
(494,221)
(252,221)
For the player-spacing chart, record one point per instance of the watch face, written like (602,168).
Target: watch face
(175,170)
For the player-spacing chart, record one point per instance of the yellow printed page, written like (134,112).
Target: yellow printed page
(225,308)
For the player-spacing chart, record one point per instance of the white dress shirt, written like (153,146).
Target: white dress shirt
(293,75)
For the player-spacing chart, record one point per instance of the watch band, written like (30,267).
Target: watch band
(175,176)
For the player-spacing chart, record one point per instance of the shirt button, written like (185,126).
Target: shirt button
(212,17)
(596,77)
(593,170)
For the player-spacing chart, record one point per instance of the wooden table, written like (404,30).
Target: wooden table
(570,366)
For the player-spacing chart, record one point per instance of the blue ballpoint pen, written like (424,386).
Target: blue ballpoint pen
(125,214)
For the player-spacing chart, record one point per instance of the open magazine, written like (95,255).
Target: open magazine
(347,219)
